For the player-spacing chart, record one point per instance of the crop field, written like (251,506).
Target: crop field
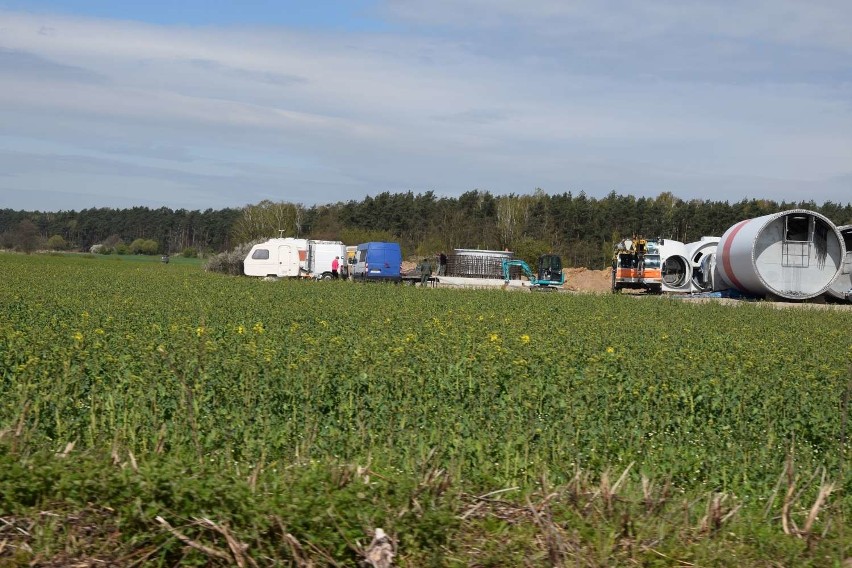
(134,390)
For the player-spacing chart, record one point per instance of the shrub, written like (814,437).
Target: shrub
(56,242)
(230,262)
(190,252)
(144,246)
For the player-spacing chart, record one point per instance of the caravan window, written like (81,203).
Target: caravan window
(260,254)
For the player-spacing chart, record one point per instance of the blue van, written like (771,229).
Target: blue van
(377,261)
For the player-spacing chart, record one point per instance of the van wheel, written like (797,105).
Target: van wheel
(326,276)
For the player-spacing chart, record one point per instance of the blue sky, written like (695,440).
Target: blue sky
(336,14)
(222,104)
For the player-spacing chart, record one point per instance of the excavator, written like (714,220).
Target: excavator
(636,264)
(548,277)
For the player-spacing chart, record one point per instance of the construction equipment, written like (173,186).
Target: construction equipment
(548,277)
(636,265)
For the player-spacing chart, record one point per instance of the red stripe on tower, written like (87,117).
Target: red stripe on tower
(726,255)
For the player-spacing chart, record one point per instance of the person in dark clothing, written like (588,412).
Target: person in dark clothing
(442,264)
(425,271)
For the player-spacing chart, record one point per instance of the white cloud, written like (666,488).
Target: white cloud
(633,97)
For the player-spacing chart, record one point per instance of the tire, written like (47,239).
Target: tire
(326,276)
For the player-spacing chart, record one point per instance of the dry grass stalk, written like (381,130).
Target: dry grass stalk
(482,500)
(608,492)
(302,557)
(237,549)
(256,471)
(550,531)
(161,439)
(133,463)
(116,459)
(716,514)
(647,492)
(679,562)
(19,428)
(297,552)
(792,497)
(575,487)
(69,447)
(208,550)
(788,525)
(771,501)
(824,491)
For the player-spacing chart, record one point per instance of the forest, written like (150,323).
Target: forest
(581,228)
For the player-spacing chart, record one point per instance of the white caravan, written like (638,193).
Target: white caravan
(287,258)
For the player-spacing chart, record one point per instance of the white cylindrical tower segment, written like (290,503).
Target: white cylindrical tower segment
(794,255)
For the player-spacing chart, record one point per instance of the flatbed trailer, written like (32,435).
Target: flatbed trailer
(413,278)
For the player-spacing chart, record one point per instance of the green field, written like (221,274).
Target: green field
(325,410)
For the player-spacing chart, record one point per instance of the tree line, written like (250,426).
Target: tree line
(171,230)
(580,228)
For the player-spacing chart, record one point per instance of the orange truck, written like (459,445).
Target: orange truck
(636,265)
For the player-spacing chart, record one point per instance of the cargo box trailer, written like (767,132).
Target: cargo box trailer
(291,258)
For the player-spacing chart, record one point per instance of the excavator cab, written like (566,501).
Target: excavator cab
(550,270)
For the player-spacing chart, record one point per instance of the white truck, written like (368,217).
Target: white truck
(292,258)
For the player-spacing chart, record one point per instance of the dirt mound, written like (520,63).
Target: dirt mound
(585,280)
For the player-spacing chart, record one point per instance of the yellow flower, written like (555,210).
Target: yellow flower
(199,331)
(258,327)
(610,349)
(493,337)
(78,336)
(525,338)
(241,330)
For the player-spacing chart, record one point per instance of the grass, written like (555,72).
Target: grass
(159,415)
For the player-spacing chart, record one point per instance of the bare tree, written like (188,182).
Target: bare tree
(27,237)
(268,219)
(512,216)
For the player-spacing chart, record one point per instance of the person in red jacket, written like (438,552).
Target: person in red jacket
(335,264)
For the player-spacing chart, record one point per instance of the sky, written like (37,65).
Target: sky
(203,104)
